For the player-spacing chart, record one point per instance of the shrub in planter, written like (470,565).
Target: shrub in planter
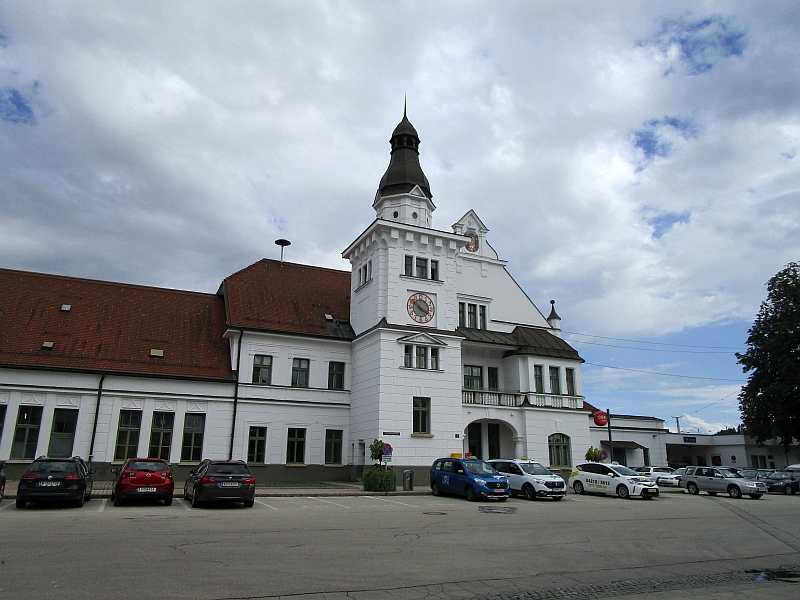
(379,479)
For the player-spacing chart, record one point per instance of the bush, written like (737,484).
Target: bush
(593,455)
(379,479)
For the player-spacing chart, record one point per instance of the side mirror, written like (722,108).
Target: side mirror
(460,471)
(191,472)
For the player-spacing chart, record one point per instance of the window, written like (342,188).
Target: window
(3,408)
(262,369)
(161,435)
(408,356)
(62,435)
(422,268)
(193,427)
(570,382)
(538,377)
(646,457)
(462,314)
(26,435)
(473,377)
(409,267)
(300,372)
(257,445)
(296,446)
(482,317)
(434,359)
(365,273)
(435,270)
(335,375)
(472,316)
(422,415)
(555,380)
(333,446)
(128,434)
(560,453)
(493,377)
(422,357)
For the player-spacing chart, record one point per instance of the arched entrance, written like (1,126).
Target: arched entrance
(488,438)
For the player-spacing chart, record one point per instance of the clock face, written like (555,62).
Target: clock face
(473,242)
(420,308)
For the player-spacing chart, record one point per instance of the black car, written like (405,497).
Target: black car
(2,479)
(220,481)
(46,478)
(784,482)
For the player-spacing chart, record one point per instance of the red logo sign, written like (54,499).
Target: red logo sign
(600,418)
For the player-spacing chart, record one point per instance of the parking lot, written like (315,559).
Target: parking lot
(404,546)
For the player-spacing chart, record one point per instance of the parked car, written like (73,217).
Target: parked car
(468,477)
(530,478)
(143,479)
(66,479)
(611,480)
(785,482)
(2,479)
(220,481)
(715,480)
(663,476)
(678,473)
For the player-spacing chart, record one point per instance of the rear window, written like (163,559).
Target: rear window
(228,470)
(534,469)
(53,467)
(148,465)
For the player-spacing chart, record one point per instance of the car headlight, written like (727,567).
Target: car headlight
(480,481)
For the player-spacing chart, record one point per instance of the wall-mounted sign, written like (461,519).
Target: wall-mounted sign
(689,440)
(600,418)
(391,433)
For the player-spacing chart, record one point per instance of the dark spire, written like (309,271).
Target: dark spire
(553,314)
(404,171)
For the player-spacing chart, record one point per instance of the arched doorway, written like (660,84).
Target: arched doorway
(488,438)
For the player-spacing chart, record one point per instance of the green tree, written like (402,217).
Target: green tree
(770,400)
(593,455)
(376,450)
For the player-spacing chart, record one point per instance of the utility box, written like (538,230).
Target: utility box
(408,481)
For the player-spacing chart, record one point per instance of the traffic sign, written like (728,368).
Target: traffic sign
(387,449)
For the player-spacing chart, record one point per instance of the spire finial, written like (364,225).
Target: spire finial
(405,105)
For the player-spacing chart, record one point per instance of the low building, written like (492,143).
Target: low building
(731,449)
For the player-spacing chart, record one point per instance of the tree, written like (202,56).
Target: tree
(593,455)
(770,400)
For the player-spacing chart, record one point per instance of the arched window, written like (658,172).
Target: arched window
(560,451)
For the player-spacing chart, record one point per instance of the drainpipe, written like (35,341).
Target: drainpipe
(96,415)
(236,392)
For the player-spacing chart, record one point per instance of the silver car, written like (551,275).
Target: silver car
(716,480)
(531,479)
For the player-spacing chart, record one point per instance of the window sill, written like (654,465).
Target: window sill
(293,465)
(362,286)
(333,466)
(418,369)
(415,278)
(421,435)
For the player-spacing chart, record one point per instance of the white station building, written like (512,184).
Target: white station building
(427,343)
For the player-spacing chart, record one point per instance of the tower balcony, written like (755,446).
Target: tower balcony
(515,398)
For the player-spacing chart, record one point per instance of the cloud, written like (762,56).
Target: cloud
(14,108)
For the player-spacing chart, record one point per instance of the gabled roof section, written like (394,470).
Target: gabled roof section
(525,340)
(290,298)
(421,339)
(110,327)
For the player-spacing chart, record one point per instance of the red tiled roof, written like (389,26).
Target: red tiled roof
(291,298)
(111,327)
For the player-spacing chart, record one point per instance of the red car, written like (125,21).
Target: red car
(143,478)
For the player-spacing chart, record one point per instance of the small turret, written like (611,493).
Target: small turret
(554,320)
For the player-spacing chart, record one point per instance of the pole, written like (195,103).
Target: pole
(678,423)
(610,442)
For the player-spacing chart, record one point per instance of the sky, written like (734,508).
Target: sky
(635,161)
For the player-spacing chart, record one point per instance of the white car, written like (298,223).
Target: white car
(613,480)
(661,475)
(531,479)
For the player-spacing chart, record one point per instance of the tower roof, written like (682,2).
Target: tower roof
(404,171)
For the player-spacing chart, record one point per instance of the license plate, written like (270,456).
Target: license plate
(229,484)
(146,489)
(499,491)
(49,483)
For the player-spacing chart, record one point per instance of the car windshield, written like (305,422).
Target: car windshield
(730,474)
(479,467)
(625,471)
(534,469)
(150,466)
(53,466)
(228,470)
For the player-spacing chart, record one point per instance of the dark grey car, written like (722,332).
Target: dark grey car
(56,479)
(220,481)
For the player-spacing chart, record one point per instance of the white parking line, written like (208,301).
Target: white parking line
(392,501)
(6,506)
(327,502)
(267,505)
(102,506)
(183,504)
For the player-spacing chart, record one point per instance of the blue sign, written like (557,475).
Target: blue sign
(387,449)
(690,440)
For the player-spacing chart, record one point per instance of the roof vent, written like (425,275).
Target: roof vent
(66,307)
(48,345)
(156,353)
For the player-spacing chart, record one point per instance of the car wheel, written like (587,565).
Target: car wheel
(79,502)
(21,503)
(734,492)
(2,490)
(755,496)
(622,492)
(195,501)
(530,493)
(712,493)
(435,489)
(117,501)
(787,489)
(186,493)
(470,494)
(249,503)
(578,487)
(89,497)
(168,501)
(692,488)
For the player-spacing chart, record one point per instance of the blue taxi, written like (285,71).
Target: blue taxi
(469,477)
